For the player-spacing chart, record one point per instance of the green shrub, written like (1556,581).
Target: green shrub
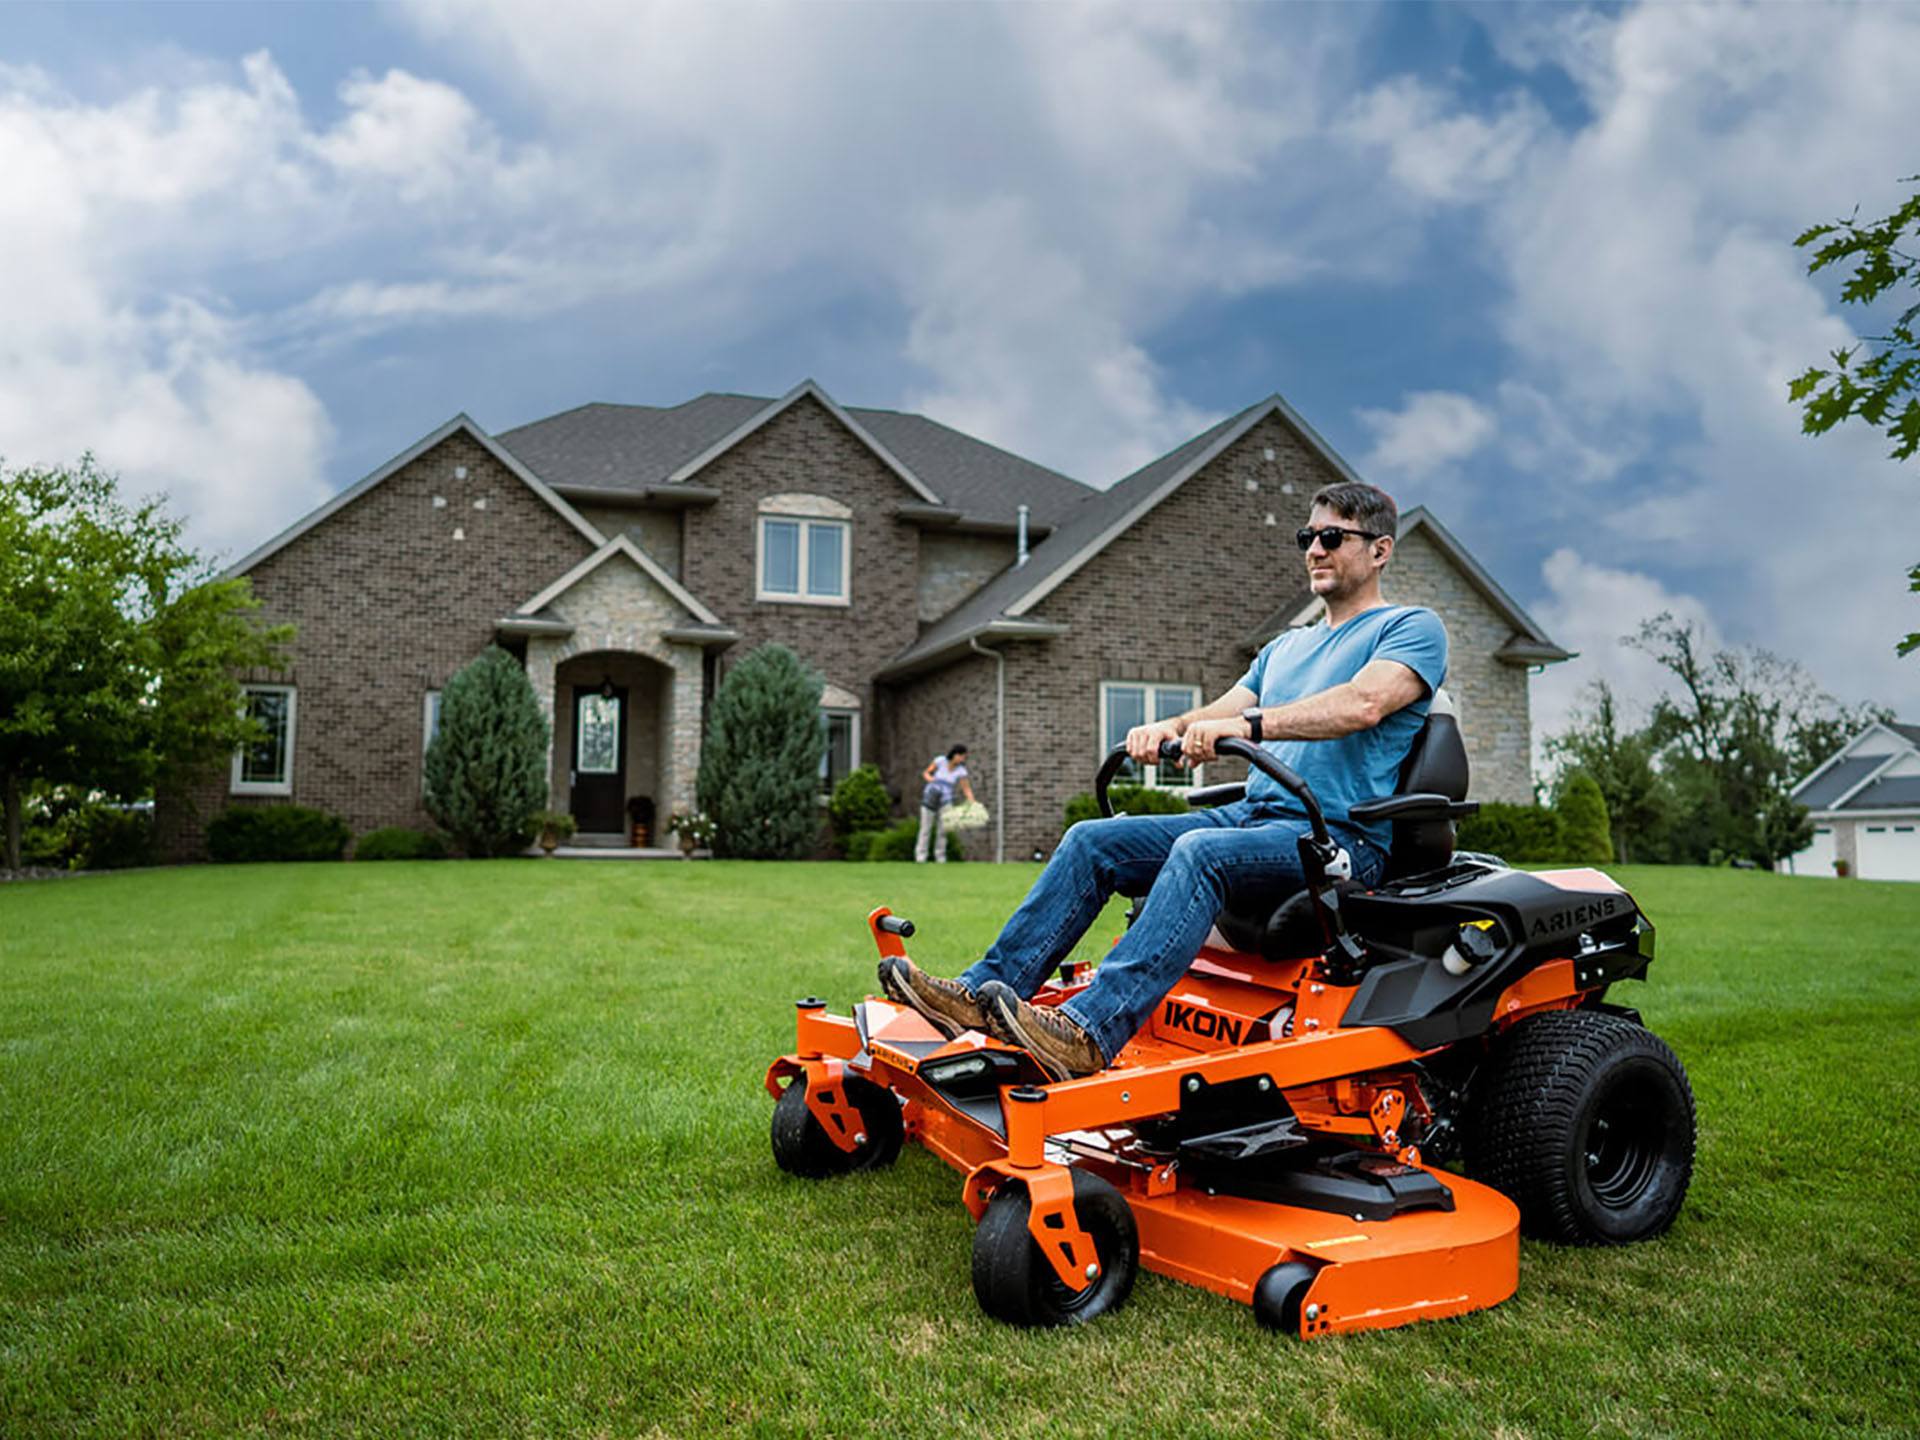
(1586,832)
(108,837)
(760,762)
(487,768)
(397,842)
(859,804)
(276,832)
(1522,834)
(895,843)
(1127,800)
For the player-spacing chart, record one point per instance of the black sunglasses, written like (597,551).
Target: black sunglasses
(1331,537)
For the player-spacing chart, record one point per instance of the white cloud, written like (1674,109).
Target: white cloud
(1656,308)
(1438,151)
(1433,430)
(1589,608)
(122,220)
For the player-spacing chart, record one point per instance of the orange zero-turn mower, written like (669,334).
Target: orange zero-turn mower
(1276,1132)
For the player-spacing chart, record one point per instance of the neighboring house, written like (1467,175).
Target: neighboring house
(947,591)
(1864,802)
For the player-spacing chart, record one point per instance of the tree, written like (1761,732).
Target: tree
(1620,762)
(1870,378)
(1726,741)
(760,762)
(487,767)
(1585,833)
(119,651)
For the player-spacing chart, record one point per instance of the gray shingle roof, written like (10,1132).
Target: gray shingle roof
(1836,780)
(631,447)
(1902,793)
(1908,732)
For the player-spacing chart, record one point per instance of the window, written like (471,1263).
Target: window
(266,766)
(804,560)
(842,752)
(1124,705)
(430,721)
(597,744)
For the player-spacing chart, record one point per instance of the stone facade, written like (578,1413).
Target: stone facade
(619,614)
(952,567)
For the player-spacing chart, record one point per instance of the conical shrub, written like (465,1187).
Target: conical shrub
(760,762)
(487,768)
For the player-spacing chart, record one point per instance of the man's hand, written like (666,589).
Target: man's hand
(1202,735)
(1143,741)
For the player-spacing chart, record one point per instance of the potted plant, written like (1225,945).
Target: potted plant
(554,826)
(695,829)
(1840,868)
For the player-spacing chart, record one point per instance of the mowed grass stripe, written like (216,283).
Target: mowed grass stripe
(481,1149)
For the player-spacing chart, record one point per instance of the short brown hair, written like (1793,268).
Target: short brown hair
(1368,506)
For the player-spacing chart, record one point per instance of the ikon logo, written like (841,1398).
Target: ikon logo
(1204,1023)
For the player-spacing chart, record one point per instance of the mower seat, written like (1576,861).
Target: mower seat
(1422,809)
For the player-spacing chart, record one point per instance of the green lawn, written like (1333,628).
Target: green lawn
(481,1148)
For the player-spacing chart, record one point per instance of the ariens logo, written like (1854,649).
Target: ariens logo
(1206,1023)
(1563,921)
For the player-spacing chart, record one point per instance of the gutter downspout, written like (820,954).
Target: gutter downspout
(999,747)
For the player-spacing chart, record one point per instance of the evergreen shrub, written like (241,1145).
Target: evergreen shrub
(1586,832)
(487,768)
(859,804)
(760,762)
(398,842)
(110,837)
(896,842)
(249,833)
(1127,800)
(1520,834)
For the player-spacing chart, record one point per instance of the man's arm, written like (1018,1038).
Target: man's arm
(1381,688)
(1143,741)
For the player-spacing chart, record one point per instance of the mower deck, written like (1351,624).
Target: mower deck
(1420,1263)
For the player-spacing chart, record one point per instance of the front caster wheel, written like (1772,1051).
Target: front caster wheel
(1280,1294)
(1012,1278)
(801,1147)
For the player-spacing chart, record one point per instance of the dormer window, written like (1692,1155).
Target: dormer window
(805,545)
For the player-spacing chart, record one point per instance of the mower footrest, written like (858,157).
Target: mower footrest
(1358,1183)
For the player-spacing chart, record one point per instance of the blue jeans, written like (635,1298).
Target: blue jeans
(1187,866)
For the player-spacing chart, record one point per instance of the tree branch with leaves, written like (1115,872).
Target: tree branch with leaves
(1870,378)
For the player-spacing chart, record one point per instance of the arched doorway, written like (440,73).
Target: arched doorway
(612,723)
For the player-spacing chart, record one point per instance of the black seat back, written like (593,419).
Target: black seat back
(1435,765)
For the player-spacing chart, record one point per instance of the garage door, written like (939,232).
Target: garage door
(1817,858)
(1890,852)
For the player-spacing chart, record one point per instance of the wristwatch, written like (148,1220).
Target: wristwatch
(1252,716)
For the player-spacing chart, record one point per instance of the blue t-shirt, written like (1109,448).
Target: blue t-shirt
(1365,764)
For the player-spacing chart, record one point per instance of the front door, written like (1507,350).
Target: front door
(599,762)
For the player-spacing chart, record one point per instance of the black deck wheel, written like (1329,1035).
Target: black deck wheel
(1279,1295)
(1013,1280)
(1586,1122)
(801,1146)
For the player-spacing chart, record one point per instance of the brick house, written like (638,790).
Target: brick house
(945,589)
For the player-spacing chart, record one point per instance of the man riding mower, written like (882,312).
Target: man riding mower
(1251,1090)
(1275,1131)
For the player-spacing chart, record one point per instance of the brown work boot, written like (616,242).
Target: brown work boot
(1064,1050)
(948,1005)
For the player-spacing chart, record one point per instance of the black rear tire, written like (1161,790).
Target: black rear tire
(1586,1122)
(801,1147)
(1013,1280)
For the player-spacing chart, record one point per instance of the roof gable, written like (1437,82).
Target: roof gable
(399,462)
(806,389)
(620,545)
(1835,780)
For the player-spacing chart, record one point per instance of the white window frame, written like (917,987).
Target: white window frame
(1150,774)
(853,739)
(808,512)
(284,785)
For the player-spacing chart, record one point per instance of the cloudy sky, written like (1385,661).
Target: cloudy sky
(1530,266)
